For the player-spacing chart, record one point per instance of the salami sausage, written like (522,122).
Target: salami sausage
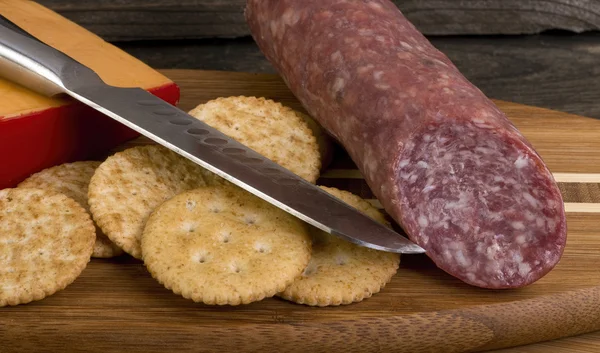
(443,160)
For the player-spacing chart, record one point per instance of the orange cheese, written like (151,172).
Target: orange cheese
(114,66)
(37,132)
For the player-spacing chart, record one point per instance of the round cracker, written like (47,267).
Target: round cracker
(277,132)
(46,241)
(129,185)
(341,272)
(220,245)
(73,180)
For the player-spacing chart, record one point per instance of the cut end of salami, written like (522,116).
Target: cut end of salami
(481,203)
(442,159)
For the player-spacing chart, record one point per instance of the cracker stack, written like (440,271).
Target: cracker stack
(129,185)
(72,180)
(198,235)
(225,246)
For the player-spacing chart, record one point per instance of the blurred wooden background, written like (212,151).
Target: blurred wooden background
(171,19)
(538,52)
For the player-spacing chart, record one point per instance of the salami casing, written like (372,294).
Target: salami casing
(443,160)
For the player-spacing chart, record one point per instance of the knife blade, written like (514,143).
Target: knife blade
(41,68)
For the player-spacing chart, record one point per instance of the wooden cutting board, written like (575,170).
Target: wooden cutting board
(116,306)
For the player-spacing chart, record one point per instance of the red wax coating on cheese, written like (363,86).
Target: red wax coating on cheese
(443,160)
(68,133)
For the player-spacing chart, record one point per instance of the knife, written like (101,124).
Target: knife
(31,63)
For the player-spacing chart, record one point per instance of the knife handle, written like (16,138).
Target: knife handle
(31,63)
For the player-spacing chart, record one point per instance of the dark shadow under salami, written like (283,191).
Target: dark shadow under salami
(443,160)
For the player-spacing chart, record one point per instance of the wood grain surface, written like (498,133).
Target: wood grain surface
(551,71)
(116,306)
(170,19)
(587,343)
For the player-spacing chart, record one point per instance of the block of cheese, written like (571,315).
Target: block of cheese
(37,132)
